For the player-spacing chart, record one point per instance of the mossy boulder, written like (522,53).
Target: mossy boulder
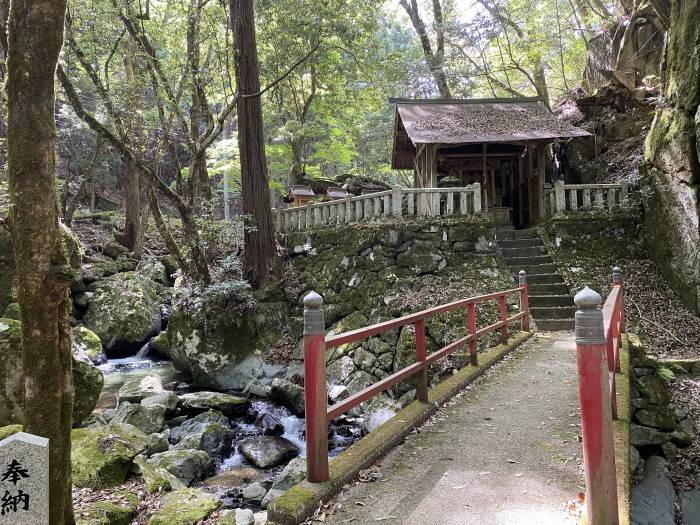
(225,353)
(155,478)
(124,312)
(148,419)
(160,345)
(198,402)
(185,507)
(187,465)
(87,379)
(86,345)
(12,312)
(117,512)
(101,457)
(9,430)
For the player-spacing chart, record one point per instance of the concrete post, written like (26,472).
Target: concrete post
(560,197)
(596,411)
(525,319)
(316,396)
(396,205)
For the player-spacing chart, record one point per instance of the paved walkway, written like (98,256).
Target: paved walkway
(506,451)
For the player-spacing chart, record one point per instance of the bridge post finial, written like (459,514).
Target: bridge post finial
(617,275)
(522,277)
(524,307)
(589,318)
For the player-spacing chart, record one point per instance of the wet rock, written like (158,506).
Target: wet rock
(270,425)
(288,394)
(268,451)
(135,390)
(227,404)
(124,312)
(215,439)
(643,436)
(657,417)
(102,457)
(185,507)
(186,465)
(160,345)
(167,399)
(254,492)
(653,498)
(148,419)
(86,345)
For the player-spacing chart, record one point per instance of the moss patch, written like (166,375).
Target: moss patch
(185,507)
(6,432)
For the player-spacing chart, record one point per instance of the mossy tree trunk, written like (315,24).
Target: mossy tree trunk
(259,240)
(673,159)
(35,37)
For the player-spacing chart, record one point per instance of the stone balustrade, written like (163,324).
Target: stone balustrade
(397,202)
(584,197)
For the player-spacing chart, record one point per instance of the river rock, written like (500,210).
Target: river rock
(124,312)
(254,492)
(148,419)
(155,479)
(271,496)
(270,425)
(215,439)
(166,398)
(138,389)
(160,345)
(87,379)
(86,345)
(197,425)
(185,507)
(288,394)
(188,465)
(293,473)
(119,511)
(653,498)
(157,443)
(221,354)
(102,457)
(267,451)
(227,404)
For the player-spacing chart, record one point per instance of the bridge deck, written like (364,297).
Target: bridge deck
(504,452)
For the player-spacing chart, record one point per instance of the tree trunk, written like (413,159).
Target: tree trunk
(132,213)
(296,172)
(35,36)
(672,196)
(259,232)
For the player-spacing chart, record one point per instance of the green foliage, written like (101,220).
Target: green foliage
(665,373)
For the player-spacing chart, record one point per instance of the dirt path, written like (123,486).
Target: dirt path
(506,451)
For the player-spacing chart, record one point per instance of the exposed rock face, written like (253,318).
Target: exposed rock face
(87,379)
(223,356)
(673,156)
(125,311)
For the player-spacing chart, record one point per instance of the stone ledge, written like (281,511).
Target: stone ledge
(621,428)
(302,500)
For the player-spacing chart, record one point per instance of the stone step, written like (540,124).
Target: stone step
(547,289)
(519,243)
(550,300)
(518,262)
(532,269)
(544,278)
(548,312)
(524,252)
(555,325)
(504,234)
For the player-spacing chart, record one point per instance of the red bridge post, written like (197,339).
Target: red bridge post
(422,380)
(596,412)
(522,283)
(316,395)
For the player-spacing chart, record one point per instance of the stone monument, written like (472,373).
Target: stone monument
(24,480)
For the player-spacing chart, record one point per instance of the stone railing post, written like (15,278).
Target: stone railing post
(476,189)
(396,205)
(623,193)
(559,197)
(596,411)
(316,395)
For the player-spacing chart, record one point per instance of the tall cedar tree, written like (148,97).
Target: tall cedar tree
(35,37)
(259,240)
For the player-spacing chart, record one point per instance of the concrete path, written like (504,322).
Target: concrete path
(506,451)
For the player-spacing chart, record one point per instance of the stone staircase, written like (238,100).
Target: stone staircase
(551,303)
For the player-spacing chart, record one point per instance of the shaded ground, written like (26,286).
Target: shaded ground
(506,451)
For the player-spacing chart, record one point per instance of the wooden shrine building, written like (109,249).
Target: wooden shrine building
(500,143)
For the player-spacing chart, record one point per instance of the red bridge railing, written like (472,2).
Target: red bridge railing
(319,414)
(598,340)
